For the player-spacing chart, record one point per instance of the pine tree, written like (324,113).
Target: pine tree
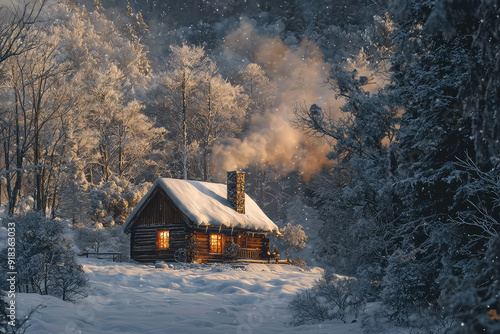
(355,197)
(434,135)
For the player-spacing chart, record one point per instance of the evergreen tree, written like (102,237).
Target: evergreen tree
(355,198)
(290,13)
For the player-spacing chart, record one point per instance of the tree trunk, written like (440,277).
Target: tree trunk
(184,129)
(207,131)
(120,160)
(8,185)
(38,179)
(19,165)
(89,176)
(205,165)
(184,152)
(105,165)
(121,163)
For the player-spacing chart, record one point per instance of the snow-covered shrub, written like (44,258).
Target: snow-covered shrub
(70,281)
(119,242)
(306,309)
(192,248)
(299,262)
(45,261)
(477,305)
(231,250)
(344,296)
(332,297)
(404,287)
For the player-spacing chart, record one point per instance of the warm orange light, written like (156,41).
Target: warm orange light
(162,239)
(216,243)
(494,315)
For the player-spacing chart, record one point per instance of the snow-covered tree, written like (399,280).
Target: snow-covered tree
(113,201)
(434,134)
(477,22)
(291,15)
(202,34)
(185,71)
(354,198)
(17,20)
(219,114)
(34,99)
(292,237)
(45,260)
(261,91)
(405,287)
(71,103)
(476,304)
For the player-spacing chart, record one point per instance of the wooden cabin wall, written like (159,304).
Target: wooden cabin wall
(143,242)
(203,245)
(203,238)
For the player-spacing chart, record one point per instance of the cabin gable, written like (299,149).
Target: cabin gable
(158,229)
(159,210)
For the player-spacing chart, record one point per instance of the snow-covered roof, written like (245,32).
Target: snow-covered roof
(205,204)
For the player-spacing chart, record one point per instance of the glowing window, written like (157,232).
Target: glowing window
(215,243)
(162,239)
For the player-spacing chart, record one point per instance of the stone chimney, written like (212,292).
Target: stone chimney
(236,190)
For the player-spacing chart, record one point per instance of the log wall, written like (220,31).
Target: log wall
(244,240)
(143,242)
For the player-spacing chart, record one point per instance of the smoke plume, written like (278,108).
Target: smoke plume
(300,74)
(273,141)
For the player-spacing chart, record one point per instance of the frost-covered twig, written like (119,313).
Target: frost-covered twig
(486,222)
(13,170)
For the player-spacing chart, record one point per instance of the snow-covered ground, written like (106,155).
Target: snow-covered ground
(138,298)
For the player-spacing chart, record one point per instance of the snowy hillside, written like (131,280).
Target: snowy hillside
(133,298)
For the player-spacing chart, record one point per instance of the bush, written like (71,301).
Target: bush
(91,239)
(192,248)
(404,287)
(345,296)
(305,308)
(45,261)
(477,305)
(299,262)
(332,297)
(231,250)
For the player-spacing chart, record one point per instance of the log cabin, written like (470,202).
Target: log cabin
(179,220)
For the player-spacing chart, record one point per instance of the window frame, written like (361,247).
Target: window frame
(160,241)
(219,242)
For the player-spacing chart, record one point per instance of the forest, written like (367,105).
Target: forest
(381,116)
